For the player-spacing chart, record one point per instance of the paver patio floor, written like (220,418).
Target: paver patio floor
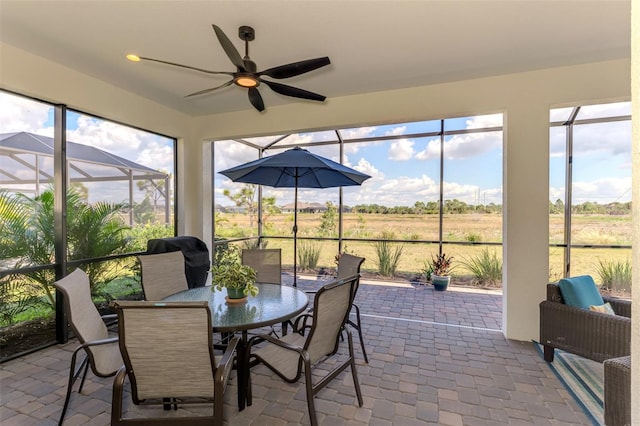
(435,358)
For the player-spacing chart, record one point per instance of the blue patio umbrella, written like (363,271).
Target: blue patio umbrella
(295,168)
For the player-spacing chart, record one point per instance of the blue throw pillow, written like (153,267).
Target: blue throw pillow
(580,292)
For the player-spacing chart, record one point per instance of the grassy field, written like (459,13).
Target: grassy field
(458,230)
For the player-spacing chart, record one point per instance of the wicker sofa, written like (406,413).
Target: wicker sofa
(589,334)
(617,391)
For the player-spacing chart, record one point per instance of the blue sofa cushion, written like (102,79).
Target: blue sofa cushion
(580,292)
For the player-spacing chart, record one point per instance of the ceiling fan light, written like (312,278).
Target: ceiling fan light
(246,81)
(133,58)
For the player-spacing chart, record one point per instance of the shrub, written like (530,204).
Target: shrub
(486,268)
(388,256)
(615,275)
(427,270)
(16,297)
(473,237)
(308,255)
(140,234)
(93,231)
(254,244)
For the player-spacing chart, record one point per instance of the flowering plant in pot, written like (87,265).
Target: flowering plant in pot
(440,268)
(229,272)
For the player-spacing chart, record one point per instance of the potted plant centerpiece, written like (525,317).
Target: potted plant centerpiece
(440,268)
(229,272)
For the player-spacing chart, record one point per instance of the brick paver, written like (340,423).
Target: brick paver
(435,358)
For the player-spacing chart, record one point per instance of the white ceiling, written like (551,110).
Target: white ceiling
(373,45)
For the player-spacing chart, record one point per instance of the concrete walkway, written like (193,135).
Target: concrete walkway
(435,358)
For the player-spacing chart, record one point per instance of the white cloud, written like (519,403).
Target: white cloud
(18,114)
(460,147)
(602,191)
(556,194)
(358,133)
(405,191)
(607,138)
(230,153)
(604,110)
(420,186)
(366,167)
(484,121)
(135,145)
(400,130)
(401,150)
(300,139)
(603,139)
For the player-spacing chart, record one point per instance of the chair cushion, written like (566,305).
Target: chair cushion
(580,292)
(605,309)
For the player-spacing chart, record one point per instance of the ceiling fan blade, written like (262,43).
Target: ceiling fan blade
(185,66)
(202,92)
(283,89)
(256,99)
(296,68)
(229,48)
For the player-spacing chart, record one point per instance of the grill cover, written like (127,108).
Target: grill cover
(195,252)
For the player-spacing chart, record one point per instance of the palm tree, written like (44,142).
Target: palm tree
(93,231)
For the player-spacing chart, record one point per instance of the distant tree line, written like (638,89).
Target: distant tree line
(432,207)
(590,207)
(460,207)
(247,199)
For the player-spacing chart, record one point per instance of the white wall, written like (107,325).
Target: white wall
(635,288)
(525,98)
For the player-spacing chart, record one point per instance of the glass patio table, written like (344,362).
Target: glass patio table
(274,304)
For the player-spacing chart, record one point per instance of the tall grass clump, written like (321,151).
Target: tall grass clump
(308,255)
(486,268)
(615,274)
(254,244)
(388,255)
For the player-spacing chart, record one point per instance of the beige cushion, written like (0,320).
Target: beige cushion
(605,309)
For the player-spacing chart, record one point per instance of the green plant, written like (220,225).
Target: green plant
(440,265)
(93,231)
(427,270)
(139,235)
(308,255)
(615,275)
(253,244)
(388,256)
(229,272)
(328,220)
(473,237)
(486,267)
(16,297)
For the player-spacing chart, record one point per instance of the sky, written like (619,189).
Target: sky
(19,114)
(403,171)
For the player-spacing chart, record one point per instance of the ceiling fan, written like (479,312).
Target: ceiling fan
(247,75)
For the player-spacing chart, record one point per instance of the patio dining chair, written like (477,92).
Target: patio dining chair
(349,265)
(101,350)
(266,262)
(295,354)
(162,274)
(268,266)
(169,357)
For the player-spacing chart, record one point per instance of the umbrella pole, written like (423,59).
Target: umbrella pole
(295,236)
